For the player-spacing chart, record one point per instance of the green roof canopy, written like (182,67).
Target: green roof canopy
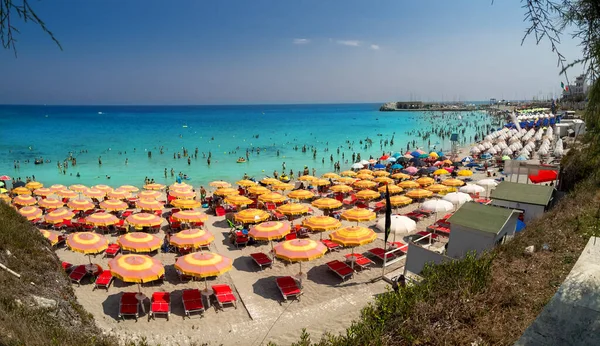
(523,193)
(481,217)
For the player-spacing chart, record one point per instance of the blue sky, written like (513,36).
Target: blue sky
(238,52)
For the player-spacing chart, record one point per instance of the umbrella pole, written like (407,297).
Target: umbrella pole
(353,259)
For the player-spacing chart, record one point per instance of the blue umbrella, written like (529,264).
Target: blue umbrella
(467,158)
(521,158)
(379,165)
(520,226)
(391,159)
(397,155)
(486,156)
(415,154)
(397,166)
(472,164)
(432,169)
(423,156)
(440,153)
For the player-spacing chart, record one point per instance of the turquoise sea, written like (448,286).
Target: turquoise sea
(120,133)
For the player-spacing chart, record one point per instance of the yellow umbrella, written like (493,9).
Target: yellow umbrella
(129,188)
(384,180)
(301,194)
(57,187)
(50,203)
(113,205)
(136,268)
(186,203)
(381,174)
(258,190)
(322,223)
(437,188)
(103,187)
(400,176)
(154,186)
(409,184)
(272,197)
(365,184)
(78,187)
(193,238)
(365,176)
(180,186)
(101,219)
(24,200)
(394,189)
(419,193)
(190,216)
(32,185)
(270,230)
(341,188)
(80,204)
(219,183)
(433,155)
(453,182)
(5,198)
(347,180)
(31,212)
(43,191)
(358,215)
(59,215)
(21,190)
(424,181)
(300,250)
(348,174)
(441,172)
(246,183)
(307,178)
(182,193)
(293,209)
(251,215)
(353,236)
(365,171)
(144,220)
(320,182)
(330,175)
(448,162)
(53,237)
(149,204)
(283,186)
(87,242)
(367,194)
(226,191)
(139,242)
(149,194)
(119,194)
(269,181)
(238,200)
(203,265)
(326,203)
(92,193)
(64,193)
(396,201)
(465,173)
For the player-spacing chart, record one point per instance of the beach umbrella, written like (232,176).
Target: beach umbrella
(330,175)
(251,215)
(441,172)
(397,166)
(418,194)
(186,204)
(396,201)
(321,223)
(43,191)
(64,193)
(326,203)
(270,230)
(119,194)
(301,194)
(348,174)
(50,203)
(113,205)
(357,165)
(88,243)
(365,176)
(139,242)
(57,187)
(144,220)
(487,182)
(340,188)
(358,215)
(400,176)
(238,200)
(193,238)
(293,209)
(384,180)
(80,204)
(464,173)
(31,212)
(136,268)
(320,182)
(190,216)
(367,194)
(128,188)
(411,170)
(154,186)
(149,204)
(400,224)
(258,190)
(272,197)
(53,237)
(437,188)
(180,186)
(103,187)
(101,219)
(149,194)
(424,181)
(32,185)
(409,184)
(458,198)
(472,188)
(269,181)
(282,186)
(437,205)
(203,265)
(219,184)
(353,236)
(365,184)
(5,178)
(59,215)
(393,189)
(78,187)
(24,200)
(246,183)
(453,182)
(381,174)
(92,193)
(300,250)
(184,193)
(21,190)
(307,178)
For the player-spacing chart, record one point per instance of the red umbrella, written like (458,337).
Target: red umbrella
(5,177)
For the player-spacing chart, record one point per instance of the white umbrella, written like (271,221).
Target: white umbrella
(437,205)
(471,188)
(391,159)
(558,148)
(357,166)
(458,198)
(364,162)
(400,225)
(487,182)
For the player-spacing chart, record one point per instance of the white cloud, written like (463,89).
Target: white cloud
(351,43)
(375,47)
(301,41)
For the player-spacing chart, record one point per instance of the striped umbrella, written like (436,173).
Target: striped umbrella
(258,190)
(113,205)
(400,176)
(203,265)
(136,268)
(269,181)
(251,215)
(219,183)
(94,193)
(301,194)
(78,187)
(139,242)
(59,215)
(65,193)
(409,184)
(50,203)
(348,174)
(43,191)
(190,216)
(330,175)
(129,188)
(300,250)
(353,236)
(272,197)
(226,191)
(341,188)
(119,194)
(182,193)
(80,204)
(194,238)
(181,186)
(53,237)
(393,189)
(24,200)
(424,181)
(87,242)
(149,194)
(57,187)
(381,174)
(358,215)
(326,203)
(5,198)
(283,186)
(384,180)
(154,186)
(144,220)
(365,176)
(396,201)
(367,194)
(418,194)
(270,230)
(32,185)
(186,204)
(437,188)
(347,180)
(322,223)
(149,204)
(103,187)
(246,183)
(365,184)
(102,219)
(453,182)
(365,171)
(293,209)
(307,178)
(31,212)
(238,200)
(21,190)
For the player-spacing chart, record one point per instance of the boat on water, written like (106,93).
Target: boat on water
(284,178)
(241,160)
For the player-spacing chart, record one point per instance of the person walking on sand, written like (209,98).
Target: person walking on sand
(202,194)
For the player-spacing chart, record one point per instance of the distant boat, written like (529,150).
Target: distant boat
(185,126)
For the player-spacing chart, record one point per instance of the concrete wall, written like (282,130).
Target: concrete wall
(532,211)
(417,257)
(463,240)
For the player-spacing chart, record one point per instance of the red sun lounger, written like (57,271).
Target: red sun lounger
(341,269)
(331,246)
(261,259)
(360,261)
(192,302)
(128,305)
(160,304)
(104,280)
(288,287)
(380,253)
(67,267)
(224,295)
(78,274)
(112,250)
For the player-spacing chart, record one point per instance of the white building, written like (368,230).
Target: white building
(580,88)
(533,200)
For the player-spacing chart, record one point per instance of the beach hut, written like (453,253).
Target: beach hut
(532,200)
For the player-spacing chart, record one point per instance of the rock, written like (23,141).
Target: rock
(44,303)
(529,250)
(388,107)
(8,253)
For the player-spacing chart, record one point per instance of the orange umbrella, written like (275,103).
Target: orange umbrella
(301,194)
(409,184)
(353,236)
(182,194)
(322,223)
(32,185)
(365,176)
(381,174)
(148,194)
(180,186)
(43,191)
(94,193)
(190,216)
(57,187)
(365,171)
(436,188)
(64,193)
(104,188)
(139,242)
(113,205)
(393,189)
(53,237)
(365,184)
(270,230)
(251,215)
(21,191)
(119,194)
(367,194)
(5,198)
(400,176)
(154,186)
(396,201)
(87,242)
(78,188)
(238,200)
(219,183)
(101,219)
(149,204)
(347,180)
(59,215)
(129,188)
(453,182)
(258,190)
(320,182)
(419,193)
(269,181)
(50,203)
(424,181)
(330,175)
(186,203)
(348,174)
(300,250)
(384,180)
(326,203)
(358,215)
(226,191)
(283,186)
(341,188)
(272,197)
(136,268)
(292,209)
(144,220)
(307,178)
(193,238)
(80,204)
(203,265)
(31,212)
(246,183)
(24,200)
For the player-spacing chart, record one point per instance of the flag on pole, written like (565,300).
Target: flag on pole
(562,85)
(388,214)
